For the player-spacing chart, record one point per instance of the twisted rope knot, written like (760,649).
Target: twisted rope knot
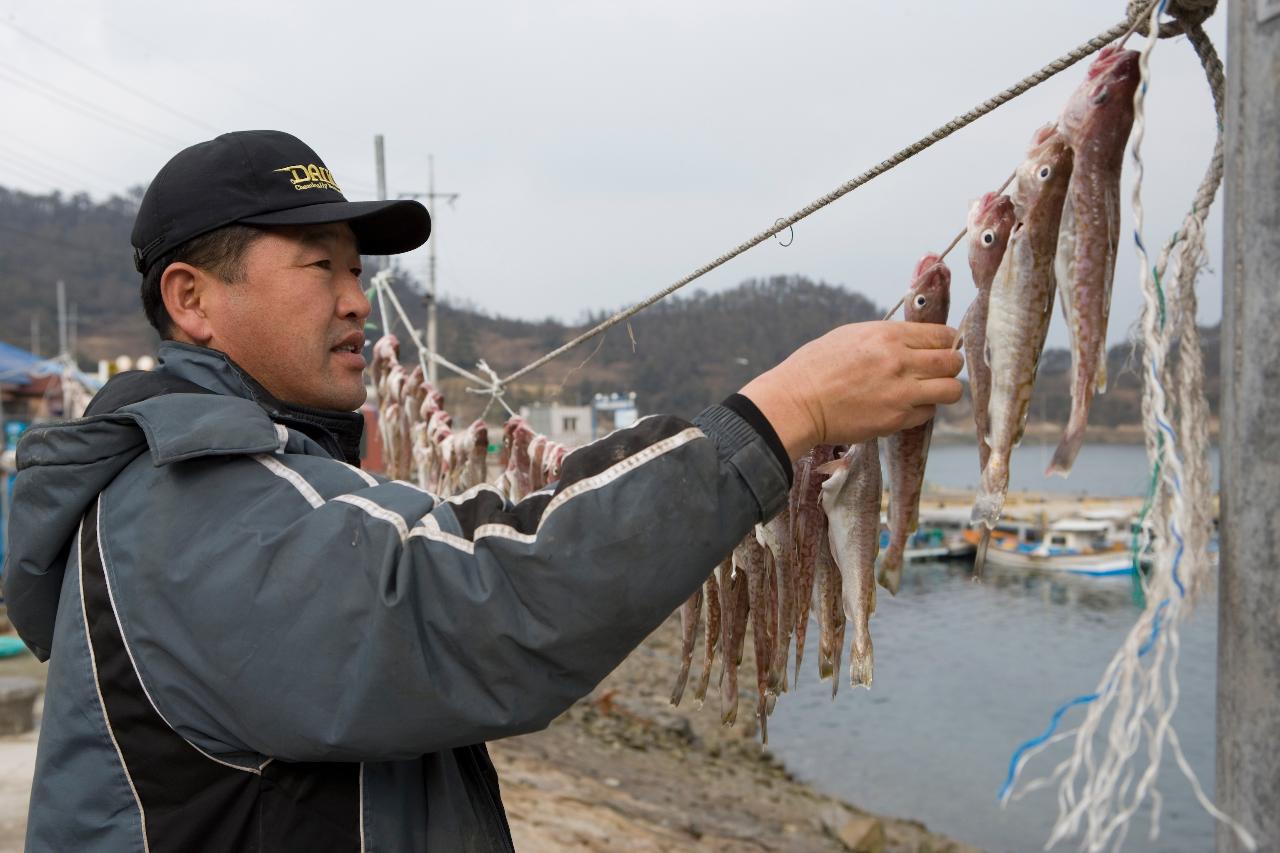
(1187,15)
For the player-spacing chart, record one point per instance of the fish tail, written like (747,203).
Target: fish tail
(989,503)
(980,555)
(890,576)
(1068,447)
(681,680)
(861,667)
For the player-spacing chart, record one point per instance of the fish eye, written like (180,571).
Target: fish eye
(988,237)
(921,301)
(1044,173)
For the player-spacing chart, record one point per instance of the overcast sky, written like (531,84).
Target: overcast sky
(601,150)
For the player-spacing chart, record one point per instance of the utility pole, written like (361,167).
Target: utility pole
(1248,718)
(62,318)
(35,334)
(380,163)
(430,299)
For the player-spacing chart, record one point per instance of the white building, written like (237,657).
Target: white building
(569,425)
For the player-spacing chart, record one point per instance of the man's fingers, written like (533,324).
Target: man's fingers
(928,336)
(938,392)
(935,363)
(918,415)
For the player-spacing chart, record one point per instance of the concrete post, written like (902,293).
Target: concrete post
(1248,736)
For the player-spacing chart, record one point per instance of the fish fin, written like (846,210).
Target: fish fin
(986,353)
(835,466)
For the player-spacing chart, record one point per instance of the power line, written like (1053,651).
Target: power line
(49,169)
(28,175)
(86,108)
(107,77)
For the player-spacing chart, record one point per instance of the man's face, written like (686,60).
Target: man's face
(295,322)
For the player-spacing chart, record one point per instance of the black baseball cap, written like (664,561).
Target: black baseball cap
(262,177)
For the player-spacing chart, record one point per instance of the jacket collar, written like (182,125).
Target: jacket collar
(337,432)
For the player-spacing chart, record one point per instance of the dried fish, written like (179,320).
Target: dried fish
(907,451)
(690,612)
(711,640)
(751,558)
(1020,308)
(851,500)
(990,221)
(1096,124)
(809,528)
(776,537)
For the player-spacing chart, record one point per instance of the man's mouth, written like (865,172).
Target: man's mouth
(352,345)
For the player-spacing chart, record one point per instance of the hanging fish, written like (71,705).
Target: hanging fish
(809,528)
(851,501)
(734,610)
(907,451)
(828,596)
(751,558)
(690,611)
(1096,124)
(990,221)
(711,639)
(1020,307)
(776,537)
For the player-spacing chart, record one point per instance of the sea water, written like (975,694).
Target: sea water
(966,671)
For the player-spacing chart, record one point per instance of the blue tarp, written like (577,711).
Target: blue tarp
(17,365)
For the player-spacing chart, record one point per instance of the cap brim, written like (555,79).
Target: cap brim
(381,227)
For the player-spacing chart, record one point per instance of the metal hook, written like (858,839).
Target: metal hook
(790,228)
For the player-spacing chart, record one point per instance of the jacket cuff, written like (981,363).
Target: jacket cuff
(739,443)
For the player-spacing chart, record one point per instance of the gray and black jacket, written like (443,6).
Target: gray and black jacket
(254,645)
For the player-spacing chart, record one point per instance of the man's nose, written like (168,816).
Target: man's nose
(352,302)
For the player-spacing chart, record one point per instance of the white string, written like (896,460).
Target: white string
(1098,795)
(423,352)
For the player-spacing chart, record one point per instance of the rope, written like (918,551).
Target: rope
(384,287)
(938,134)
(1140,686)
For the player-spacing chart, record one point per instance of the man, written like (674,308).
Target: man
(255,645)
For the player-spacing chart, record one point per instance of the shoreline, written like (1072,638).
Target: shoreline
(623,767)
(954,434)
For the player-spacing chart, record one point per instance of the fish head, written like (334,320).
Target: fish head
(929,300)
(990,220)
(1100,111)
(1041,179)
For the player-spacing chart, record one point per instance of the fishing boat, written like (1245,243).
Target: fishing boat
(1079,545)
(940,535)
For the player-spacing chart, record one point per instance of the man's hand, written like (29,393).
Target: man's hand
(857,382)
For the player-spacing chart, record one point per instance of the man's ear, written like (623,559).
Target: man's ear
(188,295)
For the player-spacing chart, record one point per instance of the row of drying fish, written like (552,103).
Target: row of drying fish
(418,442)
(529,460)
(818,555)
(1058,226)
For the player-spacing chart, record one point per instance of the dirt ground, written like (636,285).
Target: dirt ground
(623,770)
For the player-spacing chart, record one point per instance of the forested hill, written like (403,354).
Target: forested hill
(687,351)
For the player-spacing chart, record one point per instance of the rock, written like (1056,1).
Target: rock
(17,704)
(862,835)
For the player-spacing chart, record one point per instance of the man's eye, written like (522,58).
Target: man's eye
(324,264)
